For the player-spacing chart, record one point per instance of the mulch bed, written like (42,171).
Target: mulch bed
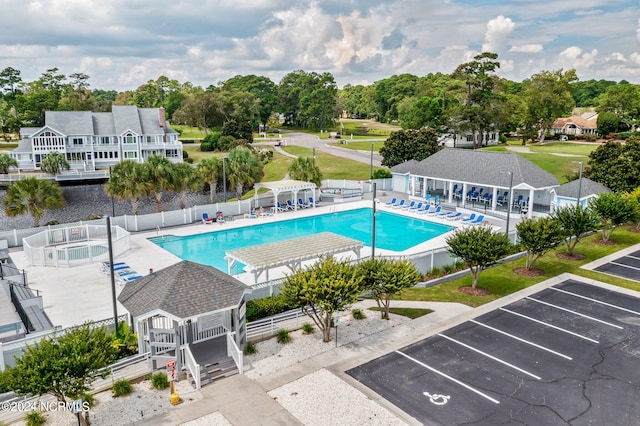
(634,229)
(606,243)
(524,272)
(478,291)
(574,256)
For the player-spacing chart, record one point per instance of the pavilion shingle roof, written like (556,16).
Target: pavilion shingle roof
(479,167)
(185,290)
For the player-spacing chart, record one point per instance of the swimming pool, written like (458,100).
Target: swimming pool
(393,232)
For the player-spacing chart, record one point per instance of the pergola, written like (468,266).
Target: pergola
(290,253)
(293,186)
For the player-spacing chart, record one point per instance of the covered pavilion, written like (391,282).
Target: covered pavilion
(290,253)
(287,185)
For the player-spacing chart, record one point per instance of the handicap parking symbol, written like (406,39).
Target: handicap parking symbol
(437,399)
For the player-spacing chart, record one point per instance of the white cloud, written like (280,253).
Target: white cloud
(527,48)
(575,57)
(498,30)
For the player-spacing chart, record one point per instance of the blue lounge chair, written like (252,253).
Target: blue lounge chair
(206,219)
(468,219)
(251,215)
(455,216)
(399,205)
(477,221)
(313,202)
(409,206)
(424,209)
(391,203)
(437,210)
(428,198)
(302,204)
(445,215)
(416,207)
(129,279)
(436,200)
(280,208)
(290,205)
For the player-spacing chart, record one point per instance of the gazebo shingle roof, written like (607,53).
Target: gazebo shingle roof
(185,290)
(479,167)
(588,187)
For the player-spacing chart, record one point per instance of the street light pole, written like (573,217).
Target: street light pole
(373,224)
(579,183)
(509,201)
(112,275)
(371,163)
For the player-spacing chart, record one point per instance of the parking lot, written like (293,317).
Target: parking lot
(566,354)
(627,266)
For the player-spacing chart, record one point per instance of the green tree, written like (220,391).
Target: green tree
(608,123)
(6,162)
(404,145)
(127,181)
(358,100)
(308,99)
(54,163)
(198,110)
(304,168)
(184,177)
(623,100)
(34,196)
(322,289)
(262,88)
(538,236)
(389,92)
(422,112)
(615,165)
(210,170)
(613,209)
(64,366)
(478,247)
(158,172)
(549,97)
(574,222)
(478,111)
(385,278)
(243,169)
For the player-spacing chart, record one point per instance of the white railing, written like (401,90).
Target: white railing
(202,335)
(234,352)
(192,365)
(268,327)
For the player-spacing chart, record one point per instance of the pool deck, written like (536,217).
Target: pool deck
(74,295)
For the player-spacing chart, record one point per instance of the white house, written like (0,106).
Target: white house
(92,140)
(567,194)
(456,140)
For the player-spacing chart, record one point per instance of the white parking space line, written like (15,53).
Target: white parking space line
(633,257)
(595,300)
(626,266)
(520,339)
(550,325)
(464,385)
(489,356)
(575,313)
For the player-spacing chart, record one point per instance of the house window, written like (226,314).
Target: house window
(105,140)
(130,155)
(151,139)
(469,138)
(76,141)
(129,139)
(172,153)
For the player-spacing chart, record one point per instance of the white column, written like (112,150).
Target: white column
(465,188)
(450,197)
(530,204)
(494,200)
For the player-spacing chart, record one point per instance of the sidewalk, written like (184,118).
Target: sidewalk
(243,401)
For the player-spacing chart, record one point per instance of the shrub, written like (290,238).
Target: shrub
(435,272)
(261,308)
(503,138)
(89,398)
(250,348)
(35,418)
(159,381)
(121,387)
(206,147)
(448,269)
(382,174)
(283,336)
(358,314)
(308,328)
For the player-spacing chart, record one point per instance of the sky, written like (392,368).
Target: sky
(122,44)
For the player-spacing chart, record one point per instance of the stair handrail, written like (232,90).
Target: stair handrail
(234,352)
(192,365)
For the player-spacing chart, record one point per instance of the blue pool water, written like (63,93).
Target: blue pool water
(393,232)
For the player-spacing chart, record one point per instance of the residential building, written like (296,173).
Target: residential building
(94,140)
(458,140)
(576,125)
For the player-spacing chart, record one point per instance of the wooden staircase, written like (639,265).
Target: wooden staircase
(218,370)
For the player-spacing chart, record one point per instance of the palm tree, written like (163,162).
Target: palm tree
(184,177)
(158,170)
(34,196)
(244,169)
(54,163)
(304,168)
(127,181)
(210,170)
(7,161)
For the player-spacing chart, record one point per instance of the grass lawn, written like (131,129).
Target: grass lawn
(500,280)
(359,146)
(187,132)
(412,313)
(333,167)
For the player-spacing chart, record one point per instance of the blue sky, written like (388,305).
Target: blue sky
(122,44)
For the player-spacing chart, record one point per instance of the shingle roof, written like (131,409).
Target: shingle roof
(579,121)
(479,167)
(70,122)
(185,290)
(588,187)
(149,121)
(125,117)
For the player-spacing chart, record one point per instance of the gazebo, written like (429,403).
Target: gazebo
(287,185)
(191,314)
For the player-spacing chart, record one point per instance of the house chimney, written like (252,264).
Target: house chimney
(162,119)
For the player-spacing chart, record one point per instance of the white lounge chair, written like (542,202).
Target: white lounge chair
(437,210)
(399,205)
